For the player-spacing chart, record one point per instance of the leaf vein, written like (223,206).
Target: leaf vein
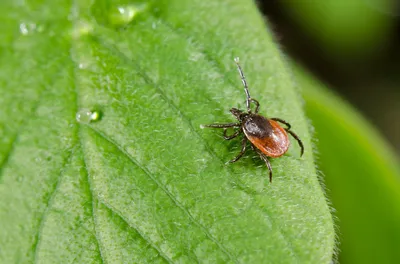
(118,213)
(50,200)
(97,236)
(15,138)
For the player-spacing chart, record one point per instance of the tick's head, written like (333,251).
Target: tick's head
(239,114)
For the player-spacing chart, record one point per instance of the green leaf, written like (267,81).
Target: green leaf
(362,175)
(142,182)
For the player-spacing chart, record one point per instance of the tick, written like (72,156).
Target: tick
(267,137)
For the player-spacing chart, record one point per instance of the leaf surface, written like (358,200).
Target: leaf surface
(144,183)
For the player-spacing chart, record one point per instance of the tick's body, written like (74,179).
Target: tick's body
(267,137)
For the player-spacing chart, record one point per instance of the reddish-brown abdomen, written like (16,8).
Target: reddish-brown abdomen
(274,144)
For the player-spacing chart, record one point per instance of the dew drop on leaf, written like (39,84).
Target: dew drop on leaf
(82,65)
(118,14)
(122,15)
(29,28)
(82,28)
(85,116)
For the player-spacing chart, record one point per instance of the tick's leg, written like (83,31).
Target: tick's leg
(282,121)
(244,141)
(229,137)
(222,125)
(268,165)
(256,103)
(266,160)
(298,140)
(291,133)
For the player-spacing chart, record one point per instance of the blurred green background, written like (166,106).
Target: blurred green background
(352,47)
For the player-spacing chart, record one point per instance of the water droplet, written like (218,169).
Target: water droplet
(83,65)
(122,15)
(82,28)
(27,28)
(85,116)
(83,61)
